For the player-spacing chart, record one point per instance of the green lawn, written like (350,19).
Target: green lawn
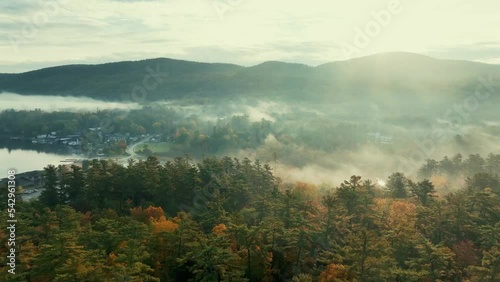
(157,148)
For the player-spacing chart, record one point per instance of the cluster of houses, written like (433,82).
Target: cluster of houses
(101,138)
(108,138)
(379,138)
(52,138)
(76,139)
(30,181)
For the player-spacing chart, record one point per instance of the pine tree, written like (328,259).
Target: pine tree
(397,185)
(423,190)
(51,195)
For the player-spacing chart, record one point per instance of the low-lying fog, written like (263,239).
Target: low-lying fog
(298,148)
(58,103)
(313,142)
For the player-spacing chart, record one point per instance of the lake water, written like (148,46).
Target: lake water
(22,160)
(24,157)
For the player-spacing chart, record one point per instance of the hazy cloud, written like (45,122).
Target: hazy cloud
(488,52)
(249,33)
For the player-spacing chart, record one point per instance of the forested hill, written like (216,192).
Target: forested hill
(390,72)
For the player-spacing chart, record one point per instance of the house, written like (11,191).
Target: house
(379,138)
(31,180)
(74,143)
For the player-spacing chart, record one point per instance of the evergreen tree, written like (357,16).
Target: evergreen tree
(51,195)
(397,185)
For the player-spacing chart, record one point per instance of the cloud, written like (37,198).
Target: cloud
(249,33)
(131,1)
(480,51)
(58,103)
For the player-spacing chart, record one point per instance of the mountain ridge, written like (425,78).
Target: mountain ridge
(398,53)
(393,71)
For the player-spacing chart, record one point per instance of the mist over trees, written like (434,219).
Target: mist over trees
(274,172)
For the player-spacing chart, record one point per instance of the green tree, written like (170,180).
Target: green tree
(423,190)
(429,169)
(397,185)
(51,195)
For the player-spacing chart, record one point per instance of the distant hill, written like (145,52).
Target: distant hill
(384,74)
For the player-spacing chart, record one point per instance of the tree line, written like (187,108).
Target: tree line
(225,219)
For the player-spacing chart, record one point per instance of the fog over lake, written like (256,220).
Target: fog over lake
(57,103)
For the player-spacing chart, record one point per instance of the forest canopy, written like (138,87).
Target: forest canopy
(225,219)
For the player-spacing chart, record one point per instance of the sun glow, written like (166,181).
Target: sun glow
(381,182)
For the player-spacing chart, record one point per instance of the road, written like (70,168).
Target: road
(131,149)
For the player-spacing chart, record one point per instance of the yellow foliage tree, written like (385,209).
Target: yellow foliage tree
(335,273)
(219,229)
(163,225)
(147,215)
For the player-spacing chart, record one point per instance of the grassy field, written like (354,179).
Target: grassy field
(161,148)
(169,150)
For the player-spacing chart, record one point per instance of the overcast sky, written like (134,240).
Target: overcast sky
(41,33)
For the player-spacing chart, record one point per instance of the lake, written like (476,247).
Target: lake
(16,154)
(22,160)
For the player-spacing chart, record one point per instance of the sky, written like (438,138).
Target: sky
(42,33)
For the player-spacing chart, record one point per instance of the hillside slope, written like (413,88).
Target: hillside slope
(389,73)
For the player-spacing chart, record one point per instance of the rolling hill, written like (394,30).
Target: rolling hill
(383,74)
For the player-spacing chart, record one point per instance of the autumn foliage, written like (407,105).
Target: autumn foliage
(231,220)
